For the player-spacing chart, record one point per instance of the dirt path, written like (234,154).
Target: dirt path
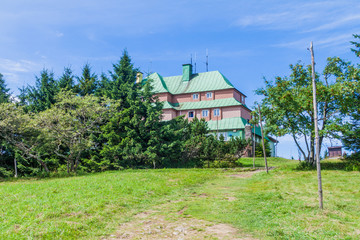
(156,224)
(152,226)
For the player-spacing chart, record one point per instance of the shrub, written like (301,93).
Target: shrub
(352,162)
(305,166)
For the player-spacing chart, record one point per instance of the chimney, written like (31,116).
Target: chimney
(187,72)
(139,77)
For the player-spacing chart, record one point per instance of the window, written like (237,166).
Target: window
(195,96)
(205,113)
(242,99)
(224,134)
(216,112)
(209,95)
(191,114)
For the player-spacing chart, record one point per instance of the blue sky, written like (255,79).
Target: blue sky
(246,40)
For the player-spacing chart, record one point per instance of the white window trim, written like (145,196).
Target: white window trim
(219,112)
(192,112)
(202,112)
(224,134)
(197,96)
(210,95)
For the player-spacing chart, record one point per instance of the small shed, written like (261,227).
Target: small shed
(335,151)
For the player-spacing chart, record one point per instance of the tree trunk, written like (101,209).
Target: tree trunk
(318,167)
(254,138)
(297,144)
(263,141)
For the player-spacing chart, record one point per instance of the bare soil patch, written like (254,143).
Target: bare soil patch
(151,226)
(249,173)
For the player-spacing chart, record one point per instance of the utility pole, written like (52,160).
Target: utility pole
(263,140)
(318,167)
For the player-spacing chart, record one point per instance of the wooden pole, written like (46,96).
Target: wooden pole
(15,165)
(254,147)
(318,167)
(263,141)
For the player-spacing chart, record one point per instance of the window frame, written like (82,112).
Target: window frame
(193,114)
(202,112)
(225,134)
(218,110)
(197,96)
(209,93)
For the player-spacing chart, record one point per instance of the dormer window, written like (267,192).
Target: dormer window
(209,95)
(195,96)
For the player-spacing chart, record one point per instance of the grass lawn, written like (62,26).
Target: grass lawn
(280,205)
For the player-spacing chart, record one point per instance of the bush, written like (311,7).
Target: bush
(352,162)
(4,173)
(305,166)
(228,161)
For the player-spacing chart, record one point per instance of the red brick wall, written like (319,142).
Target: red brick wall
(168,114)
(165,97)
(245,113)
(230,112)
(227,93)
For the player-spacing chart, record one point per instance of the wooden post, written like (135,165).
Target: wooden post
(15,165)
(254,147)
(263,141)
(318,167)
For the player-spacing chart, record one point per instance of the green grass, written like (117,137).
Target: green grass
(87,206)
(280,205)
(283,204)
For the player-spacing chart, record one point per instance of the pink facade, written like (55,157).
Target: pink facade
(224,112)
(245,113)
(230,112)
(168,114)
(165,97)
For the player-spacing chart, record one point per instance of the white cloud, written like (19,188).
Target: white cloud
(338,42)
(313,16)
(8,65)
(338,22)
(59,34)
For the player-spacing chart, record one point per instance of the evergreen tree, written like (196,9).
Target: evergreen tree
(41,96)
(66,81)
(4,92)
(88,82)
(122,79)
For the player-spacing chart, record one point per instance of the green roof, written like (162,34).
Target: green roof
(231,124)
(199,82)
(227,124)
(226,102)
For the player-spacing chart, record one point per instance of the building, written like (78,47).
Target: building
(335,152)
(208,95)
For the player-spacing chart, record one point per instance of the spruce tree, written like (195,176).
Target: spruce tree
(41,96)
(88,82)
(122,79)
(66,81)
(4,92)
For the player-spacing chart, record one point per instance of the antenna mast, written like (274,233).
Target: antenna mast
(207,60)
(195,63)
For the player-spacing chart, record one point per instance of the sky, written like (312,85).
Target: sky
(247,41)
